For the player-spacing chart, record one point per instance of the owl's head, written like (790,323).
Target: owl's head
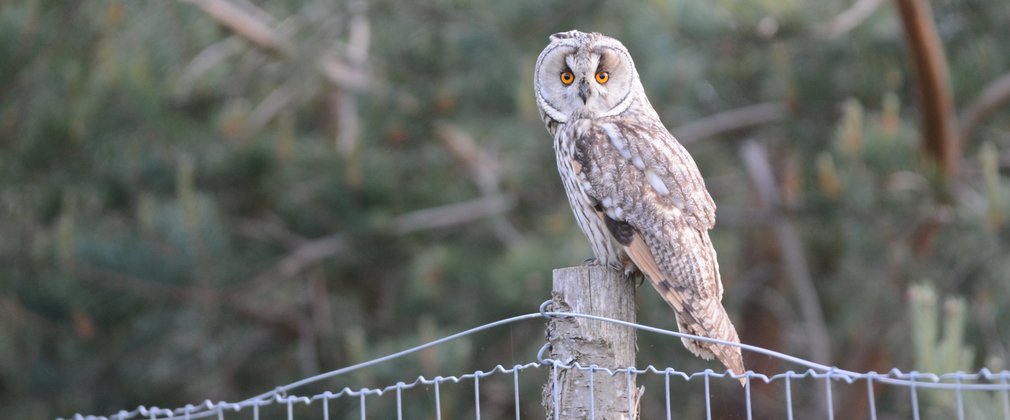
(584,75)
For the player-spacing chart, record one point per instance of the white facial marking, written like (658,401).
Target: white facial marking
(608,202)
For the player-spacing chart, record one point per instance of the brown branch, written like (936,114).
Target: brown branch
(936,101)
(995,94)
(732,120)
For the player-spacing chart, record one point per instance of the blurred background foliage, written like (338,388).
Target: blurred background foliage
(189,211)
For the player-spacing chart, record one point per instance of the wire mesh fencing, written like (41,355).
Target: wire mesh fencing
(815,391)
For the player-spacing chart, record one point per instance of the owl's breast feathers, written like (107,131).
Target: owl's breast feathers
(651,198)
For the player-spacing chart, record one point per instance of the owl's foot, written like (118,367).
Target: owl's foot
(593,262)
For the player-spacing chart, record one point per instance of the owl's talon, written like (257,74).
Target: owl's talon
(593,262)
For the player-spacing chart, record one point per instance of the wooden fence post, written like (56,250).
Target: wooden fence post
(599,291)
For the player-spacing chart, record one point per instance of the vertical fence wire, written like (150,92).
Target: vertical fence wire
(1005,396)
(789,396)
(515,387)
(362,404)
(959,399)
(666,382)
(915,397)
(476,394)
(828,396)
(399,401)
(746,393)
(438,400)
(871,399)
(708,401)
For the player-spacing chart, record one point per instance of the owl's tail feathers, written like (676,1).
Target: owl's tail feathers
(715,324)
(706,317)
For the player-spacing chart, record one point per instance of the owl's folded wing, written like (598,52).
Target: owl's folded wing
(641,166)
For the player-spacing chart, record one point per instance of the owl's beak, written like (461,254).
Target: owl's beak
(583,91)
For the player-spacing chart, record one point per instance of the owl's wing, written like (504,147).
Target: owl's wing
(643,155)
(639,175)
(650,195)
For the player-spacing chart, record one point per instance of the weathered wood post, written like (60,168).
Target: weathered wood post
(603,292)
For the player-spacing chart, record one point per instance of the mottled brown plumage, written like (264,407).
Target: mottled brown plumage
(635,191)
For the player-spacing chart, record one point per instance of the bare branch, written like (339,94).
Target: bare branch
(482,168)
(759,168)
(204,61)
(453,214)
(272,227)
(257,29)
(245,24)
(307,255)
(995,94)
(342,74)
(851,17)
(348,121)
(732,120)
(268,108)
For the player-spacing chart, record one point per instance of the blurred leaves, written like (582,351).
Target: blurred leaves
(177,222)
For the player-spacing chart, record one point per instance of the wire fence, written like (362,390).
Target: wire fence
(984,394)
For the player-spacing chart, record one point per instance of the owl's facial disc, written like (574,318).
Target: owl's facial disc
(601,81)
(584,75)
(592,81)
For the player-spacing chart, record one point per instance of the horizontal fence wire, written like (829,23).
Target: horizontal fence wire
(914,381)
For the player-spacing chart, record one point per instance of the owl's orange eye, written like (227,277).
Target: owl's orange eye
(567,77)
(602,77)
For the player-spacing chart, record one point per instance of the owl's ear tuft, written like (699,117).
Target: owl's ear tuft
(563,35)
